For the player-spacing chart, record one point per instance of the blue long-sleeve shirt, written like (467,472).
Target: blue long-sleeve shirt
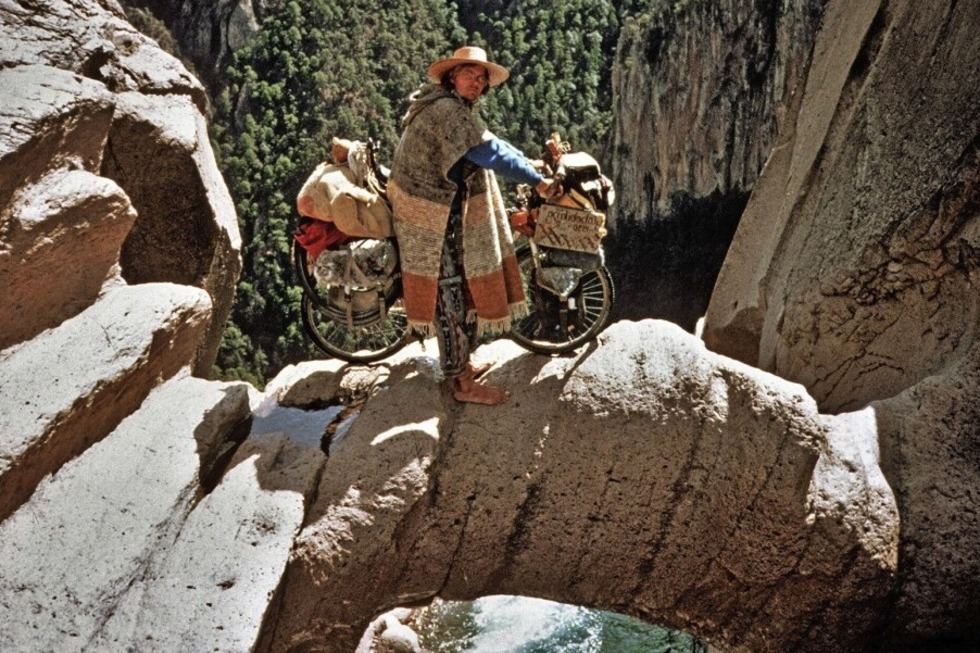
(505,160)
(499,156)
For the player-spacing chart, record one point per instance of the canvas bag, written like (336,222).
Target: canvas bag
(335,193)
(359,272)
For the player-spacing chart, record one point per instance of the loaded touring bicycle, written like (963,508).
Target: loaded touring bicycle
(352,304)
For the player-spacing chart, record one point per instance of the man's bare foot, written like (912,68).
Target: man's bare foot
(481,394)
(467,390)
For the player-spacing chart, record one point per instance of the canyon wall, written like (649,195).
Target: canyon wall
(855,268)
(207,33)
(700,91)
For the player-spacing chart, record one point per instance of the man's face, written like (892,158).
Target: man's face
(469,81)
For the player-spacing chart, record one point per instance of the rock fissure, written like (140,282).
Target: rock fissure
(594,524)
(871,45)
(460,539)
(519,537)
(748,510)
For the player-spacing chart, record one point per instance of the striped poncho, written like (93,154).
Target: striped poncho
(439,129)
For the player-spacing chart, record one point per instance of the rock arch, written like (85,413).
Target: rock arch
(660,481)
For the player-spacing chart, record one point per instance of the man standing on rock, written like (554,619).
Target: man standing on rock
(459,270)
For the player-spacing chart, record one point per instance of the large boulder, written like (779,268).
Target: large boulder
(85,91)
(646,476)
(68,388)
(63,238)
(63,225)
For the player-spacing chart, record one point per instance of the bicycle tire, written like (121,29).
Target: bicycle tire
(362,337)
(358,343)
(303,270)
(589,311)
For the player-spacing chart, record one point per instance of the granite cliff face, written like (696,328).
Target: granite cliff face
(143,507)
(855,270)
(699,93)
(208,32)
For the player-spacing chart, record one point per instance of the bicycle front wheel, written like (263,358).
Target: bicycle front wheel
(556,326)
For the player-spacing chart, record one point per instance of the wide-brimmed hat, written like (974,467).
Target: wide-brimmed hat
(468,54)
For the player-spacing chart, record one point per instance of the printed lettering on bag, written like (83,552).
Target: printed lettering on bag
(567,228)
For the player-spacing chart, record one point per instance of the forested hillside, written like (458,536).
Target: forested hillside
(317,69)
(320,68)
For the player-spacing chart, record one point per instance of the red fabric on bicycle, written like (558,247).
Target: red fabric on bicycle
(315,236)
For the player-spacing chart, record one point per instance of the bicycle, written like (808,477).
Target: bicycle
(357,315)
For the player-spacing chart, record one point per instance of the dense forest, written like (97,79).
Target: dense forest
(320,68)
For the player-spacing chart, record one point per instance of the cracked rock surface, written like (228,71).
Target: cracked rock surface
(646,476)
(855,270)
(825,503)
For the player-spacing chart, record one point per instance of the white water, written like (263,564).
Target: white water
(515,624)
(509,623)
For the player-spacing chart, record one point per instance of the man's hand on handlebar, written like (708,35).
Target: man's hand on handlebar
(548,188)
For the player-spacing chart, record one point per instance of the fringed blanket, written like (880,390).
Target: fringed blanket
(439,129)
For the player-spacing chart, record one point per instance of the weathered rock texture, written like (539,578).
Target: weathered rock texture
(106,170)
(208,32)
(855,271)
(831,512)
(855,268)
(700,90)
(648,477)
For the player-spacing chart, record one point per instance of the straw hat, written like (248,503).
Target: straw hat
(468,55)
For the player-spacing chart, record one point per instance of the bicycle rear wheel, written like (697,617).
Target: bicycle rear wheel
(553,326)
(361,337)
(365,343)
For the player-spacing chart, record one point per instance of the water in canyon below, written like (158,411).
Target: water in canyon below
(515,624)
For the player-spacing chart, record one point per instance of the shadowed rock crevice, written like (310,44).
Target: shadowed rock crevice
(171,240)
(870,47)
(185,232)
(665,268)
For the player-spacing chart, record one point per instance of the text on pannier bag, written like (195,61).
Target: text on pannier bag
(569,228)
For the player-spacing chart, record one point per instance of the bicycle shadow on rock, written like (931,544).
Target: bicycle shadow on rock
(350,560)
(405,426)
